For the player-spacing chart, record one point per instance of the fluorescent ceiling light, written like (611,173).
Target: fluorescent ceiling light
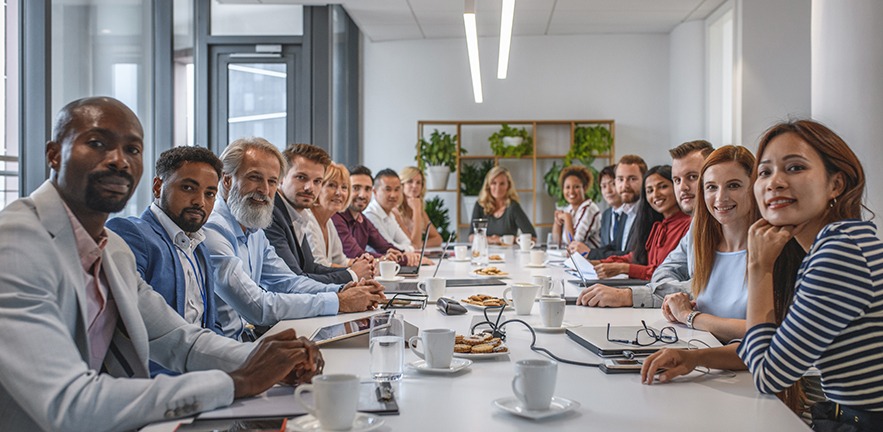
(472,47)
(506,19)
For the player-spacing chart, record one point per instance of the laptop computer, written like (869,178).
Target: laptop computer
(583,282)
(412,271)
(595,340)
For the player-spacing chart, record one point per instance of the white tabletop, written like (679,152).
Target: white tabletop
(463,401)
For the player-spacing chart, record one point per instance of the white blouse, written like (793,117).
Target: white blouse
(324,254)
(586,223)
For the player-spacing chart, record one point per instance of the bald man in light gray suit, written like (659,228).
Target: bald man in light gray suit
(79,323)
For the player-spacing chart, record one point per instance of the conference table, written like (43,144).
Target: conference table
(617,402)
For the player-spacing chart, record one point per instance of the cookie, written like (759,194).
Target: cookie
(500,348)
(482,349)
(474,340)
(462,348)
(458,339)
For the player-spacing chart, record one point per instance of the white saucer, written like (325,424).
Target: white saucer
(467,259)
(535,265)
(363,423)
(564,326)
(395,279)
(514,406)
(481,356)
(457,365)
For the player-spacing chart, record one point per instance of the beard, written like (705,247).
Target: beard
(181,219)
(97,202)
(248,213)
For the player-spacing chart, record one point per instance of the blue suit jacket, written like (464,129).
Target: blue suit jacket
(157,261)
(607,248)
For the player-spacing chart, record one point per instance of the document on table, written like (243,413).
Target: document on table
(279,401)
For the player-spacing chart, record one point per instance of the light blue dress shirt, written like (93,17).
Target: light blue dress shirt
(253,284)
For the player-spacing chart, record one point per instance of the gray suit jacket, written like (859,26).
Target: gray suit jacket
(45,380)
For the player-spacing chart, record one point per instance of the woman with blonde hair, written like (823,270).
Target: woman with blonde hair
(333,197)
(498,203)
(411,212)
(724,211)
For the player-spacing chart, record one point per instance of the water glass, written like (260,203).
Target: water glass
(551,242)
(387,347)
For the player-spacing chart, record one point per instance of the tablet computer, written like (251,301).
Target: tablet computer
(344,330)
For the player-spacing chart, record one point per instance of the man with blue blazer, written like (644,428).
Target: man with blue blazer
(81,324)
(167,238)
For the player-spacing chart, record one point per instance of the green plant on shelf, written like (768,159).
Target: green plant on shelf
(588,143)
(501,148)
(441,149)
(438,215)
(472,177)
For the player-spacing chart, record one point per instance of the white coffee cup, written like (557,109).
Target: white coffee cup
(389,269)
(534,383)
(438,347)
(552,311)
(507,239)
(434,287)
(537,257)
(522,296)
(461,252)
(336,398)
(525,241)
(545,283)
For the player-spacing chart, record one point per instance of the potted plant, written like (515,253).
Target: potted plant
(511,142)
(438,215)
(471,180)
(437,158)
(588,143)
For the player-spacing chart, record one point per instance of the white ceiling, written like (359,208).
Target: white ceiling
(386,20)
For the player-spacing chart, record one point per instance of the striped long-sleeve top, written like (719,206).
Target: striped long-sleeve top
(834,323)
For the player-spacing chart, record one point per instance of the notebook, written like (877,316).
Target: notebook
(595,340)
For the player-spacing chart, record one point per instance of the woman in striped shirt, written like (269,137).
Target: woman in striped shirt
(580,221)
(809,190)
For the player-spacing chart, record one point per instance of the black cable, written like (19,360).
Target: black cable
(497,330)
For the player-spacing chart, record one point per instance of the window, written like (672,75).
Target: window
(9,166)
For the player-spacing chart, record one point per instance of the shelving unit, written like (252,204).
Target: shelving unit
(552,139)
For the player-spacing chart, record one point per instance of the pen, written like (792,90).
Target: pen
(569,238)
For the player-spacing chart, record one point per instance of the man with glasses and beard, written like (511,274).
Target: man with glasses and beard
(253,284)
(81,324)
(167,238)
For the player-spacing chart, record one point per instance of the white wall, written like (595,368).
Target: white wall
(623,77)
(847,94)
(687,82)
(775,64)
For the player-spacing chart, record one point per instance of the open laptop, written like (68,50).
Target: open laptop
(595,340)
(583,282)
(412,271)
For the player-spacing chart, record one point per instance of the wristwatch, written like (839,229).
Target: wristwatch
(692,317)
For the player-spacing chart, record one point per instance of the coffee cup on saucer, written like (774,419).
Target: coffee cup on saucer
(523,295)
(552,311)
(534,383)
(336,398)
(438,347)
(389,270)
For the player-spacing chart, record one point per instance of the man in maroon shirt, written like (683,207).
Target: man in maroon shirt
(357,232)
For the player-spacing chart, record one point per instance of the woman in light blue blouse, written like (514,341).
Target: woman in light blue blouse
(809,190)
(725,210)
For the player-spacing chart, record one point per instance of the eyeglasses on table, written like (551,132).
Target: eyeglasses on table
(648,336)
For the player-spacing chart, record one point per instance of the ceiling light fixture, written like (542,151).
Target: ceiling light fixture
(506,20)
(472,47)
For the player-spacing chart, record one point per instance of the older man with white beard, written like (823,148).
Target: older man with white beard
(254,285)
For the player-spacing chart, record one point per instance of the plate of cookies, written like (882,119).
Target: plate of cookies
(481,301)
(496,258)
(479,346)
(488,272)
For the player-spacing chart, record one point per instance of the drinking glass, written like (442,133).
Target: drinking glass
(387,347)
(479,242)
